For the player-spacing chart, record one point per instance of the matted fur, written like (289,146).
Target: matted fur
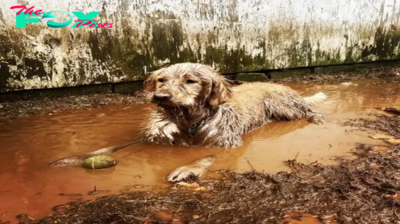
(218,113)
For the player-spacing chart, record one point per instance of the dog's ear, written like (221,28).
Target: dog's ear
(150,83)
(220,92)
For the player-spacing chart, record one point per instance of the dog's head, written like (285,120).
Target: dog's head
(187,85)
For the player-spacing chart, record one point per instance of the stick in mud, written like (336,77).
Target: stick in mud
(298,167)
(250,165)
(393,110)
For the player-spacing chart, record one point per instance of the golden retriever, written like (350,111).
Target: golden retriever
(198,107)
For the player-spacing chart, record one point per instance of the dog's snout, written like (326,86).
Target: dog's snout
(162,96)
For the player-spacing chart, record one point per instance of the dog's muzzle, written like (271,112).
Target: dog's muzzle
(162,97)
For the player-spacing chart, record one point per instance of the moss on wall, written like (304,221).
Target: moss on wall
(41,57)
(251,77)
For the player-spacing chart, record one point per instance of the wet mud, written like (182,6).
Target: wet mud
(285,172)
(355,191)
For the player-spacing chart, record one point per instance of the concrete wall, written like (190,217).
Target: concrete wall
(232,35)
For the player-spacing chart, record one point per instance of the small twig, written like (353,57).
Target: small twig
(194,197)
(295,158)
(251,166)
(280,191)
(272,179)
(395,212)
(137,218)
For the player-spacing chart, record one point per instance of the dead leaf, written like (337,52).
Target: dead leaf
(177,220)
(299,218)
(396,196)
(394,141)
(380,148)
(196,216)
(164,215)
(381,136)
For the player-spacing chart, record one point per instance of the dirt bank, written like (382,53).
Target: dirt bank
(10,111)
(363,190)
(340,74)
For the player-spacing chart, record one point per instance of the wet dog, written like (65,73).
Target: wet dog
(196,106)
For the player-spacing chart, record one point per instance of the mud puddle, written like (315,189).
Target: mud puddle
(28,145)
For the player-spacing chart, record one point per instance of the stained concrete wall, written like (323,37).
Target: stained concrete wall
(231,35)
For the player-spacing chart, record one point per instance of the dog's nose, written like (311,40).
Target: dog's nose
(162,96)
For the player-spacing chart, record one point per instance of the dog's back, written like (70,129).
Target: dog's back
(267,101)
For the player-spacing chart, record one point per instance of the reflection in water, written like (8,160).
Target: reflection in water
(28,145)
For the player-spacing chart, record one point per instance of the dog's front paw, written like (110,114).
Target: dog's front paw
(186,174)
(317,118)
(192,171)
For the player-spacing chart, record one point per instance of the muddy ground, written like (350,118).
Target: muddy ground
(363,190)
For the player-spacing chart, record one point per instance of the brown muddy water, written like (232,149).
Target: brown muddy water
(28,145)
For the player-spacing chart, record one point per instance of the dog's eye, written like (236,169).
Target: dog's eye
(161,80)
(191,81)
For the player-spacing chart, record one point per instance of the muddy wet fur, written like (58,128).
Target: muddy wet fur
(355,191)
